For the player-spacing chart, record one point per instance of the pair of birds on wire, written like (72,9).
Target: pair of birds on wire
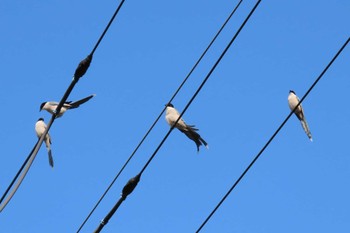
(171,117)
(51,106)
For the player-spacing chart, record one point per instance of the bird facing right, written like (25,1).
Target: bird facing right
(293,101)
(172,115)
(40,128)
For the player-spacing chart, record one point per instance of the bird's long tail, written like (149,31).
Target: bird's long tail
(306,128)
(48,147)
(77,103)
(50,157)
(194,136)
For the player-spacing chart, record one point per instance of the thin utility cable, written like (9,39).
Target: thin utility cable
(273,136)
(132,183)
(202,84)
(108,25)
(159,116)
(18,173)
(79,72)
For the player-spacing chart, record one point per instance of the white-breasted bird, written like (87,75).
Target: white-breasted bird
(172,115)
(51,106)
(293,101)
(40,128)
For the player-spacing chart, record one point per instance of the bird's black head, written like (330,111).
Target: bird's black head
(169,105)
(41,106)
(291,91)
(41,119)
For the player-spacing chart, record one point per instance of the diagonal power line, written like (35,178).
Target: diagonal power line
(79,72)
(272,137)
(18,173)
(159,116)
(132,183)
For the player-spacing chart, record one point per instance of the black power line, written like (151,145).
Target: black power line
(132,183)
(79,72)
(272,137)
(159,116)
(108,25)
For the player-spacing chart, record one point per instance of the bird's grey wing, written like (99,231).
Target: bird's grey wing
(49,137)
(181,123)
(303,121)
(66,105)
(299,112)
(52,103)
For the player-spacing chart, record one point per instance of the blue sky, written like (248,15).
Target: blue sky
(296,185)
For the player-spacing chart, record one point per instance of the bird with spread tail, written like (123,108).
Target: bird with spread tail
(189,130)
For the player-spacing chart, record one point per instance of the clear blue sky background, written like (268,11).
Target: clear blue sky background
(296,186)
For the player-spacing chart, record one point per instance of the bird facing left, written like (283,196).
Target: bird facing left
(51,106)
(40,128)
(293,101)
(171,117)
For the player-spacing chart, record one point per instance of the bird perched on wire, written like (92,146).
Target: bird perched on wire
(171,117)
(293,101)
(51,106)
(40,128)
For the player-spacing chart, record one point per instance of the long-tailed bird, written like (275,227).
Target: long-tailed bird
(51,106)
(293,101)
(40,128)
(172,115)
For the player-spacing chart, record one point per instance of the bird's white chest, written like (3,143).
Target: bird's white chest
(292,101)
(171,116)
(39,129)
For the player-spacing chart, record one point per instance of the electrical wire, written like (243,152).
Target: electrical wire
(79,72)
(272,137)
(108,25)
(159,116)
(132,183)
(18,173)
